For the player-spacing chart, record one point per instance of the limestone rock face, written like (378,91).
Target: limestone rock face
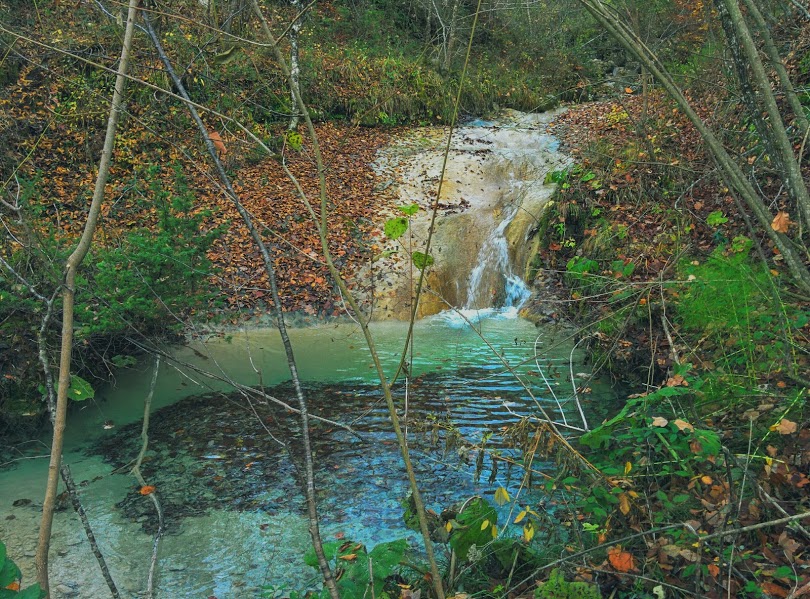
(491,195)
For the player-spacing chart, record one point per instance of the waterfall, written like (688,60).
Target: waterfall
(493,283)
(492,194)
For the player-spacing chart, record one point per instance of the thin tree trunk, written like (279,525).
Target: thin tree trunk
(68,291)
(295,66)
(323,233)
(776,127)
(731,172)
(778,65)
(314,528)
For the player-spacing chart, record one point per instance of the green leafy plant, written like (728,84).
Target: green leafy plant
(11,580)
(357,569)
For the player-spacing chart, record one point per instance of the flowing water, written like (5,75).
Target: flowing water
(234,512)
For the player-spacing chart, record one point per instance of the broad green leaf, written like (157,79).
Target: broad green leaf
(421,261)
(468,532)
(395,227)
(80,389)
(9,573)
(409,210)
(716,218)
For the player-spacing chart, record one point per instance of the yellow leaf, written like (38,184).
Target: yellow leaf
(348,557)
(520,517)
(624,504)
(501,496)
(484,524)
(449,526)
(528,531)
(494,531)
(627,468)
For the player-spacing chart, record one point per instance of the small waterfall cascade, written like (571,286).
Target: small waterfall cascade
(492,192)
(492,282)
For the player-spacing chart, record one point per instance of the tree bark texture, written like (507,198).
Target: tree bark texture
(68,291)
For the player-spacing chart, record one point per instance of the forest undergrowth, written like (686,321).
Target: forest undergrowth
(677,299)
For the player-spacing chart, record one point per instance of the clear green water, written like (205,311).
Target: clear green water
(242,527)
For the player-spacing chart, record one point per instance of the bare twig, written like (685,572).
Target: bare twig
(314,527)
(136,472)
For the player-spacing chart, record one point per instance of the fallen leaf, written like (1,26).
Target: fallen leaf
(13,586)
(660,421)
(781,222)
(621,560)
(785,427)
(689,555)
(683,425)
(348,557)
(714,570)
(773,589)
(788,545)
(624,503)
(147,490)
(217,141)
(677,381)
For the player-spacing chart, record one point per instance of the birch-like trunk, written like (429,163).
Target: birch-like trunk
(295,65)
(68,292)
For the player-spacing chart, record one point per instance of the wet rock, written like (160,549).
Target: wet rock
(68,589)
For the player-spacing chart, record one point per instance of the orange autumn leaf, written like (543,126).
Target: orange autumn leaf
(13,586)
(147,490)
(781,222)
(621,560)
(677,381)
(348,557)
(773,589)
(714,570)
(217,141)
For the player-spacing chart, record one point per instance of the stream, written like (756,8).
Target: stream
(235,515)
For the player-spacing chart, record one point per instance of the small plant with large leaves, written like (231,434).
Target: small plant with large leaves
(11,580)
(397,226)
(357,569)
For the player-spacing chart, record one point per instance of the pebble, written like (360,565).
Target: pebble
(67,589)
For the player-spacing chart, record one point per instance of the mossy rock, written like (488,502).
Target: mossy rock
(558,588)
